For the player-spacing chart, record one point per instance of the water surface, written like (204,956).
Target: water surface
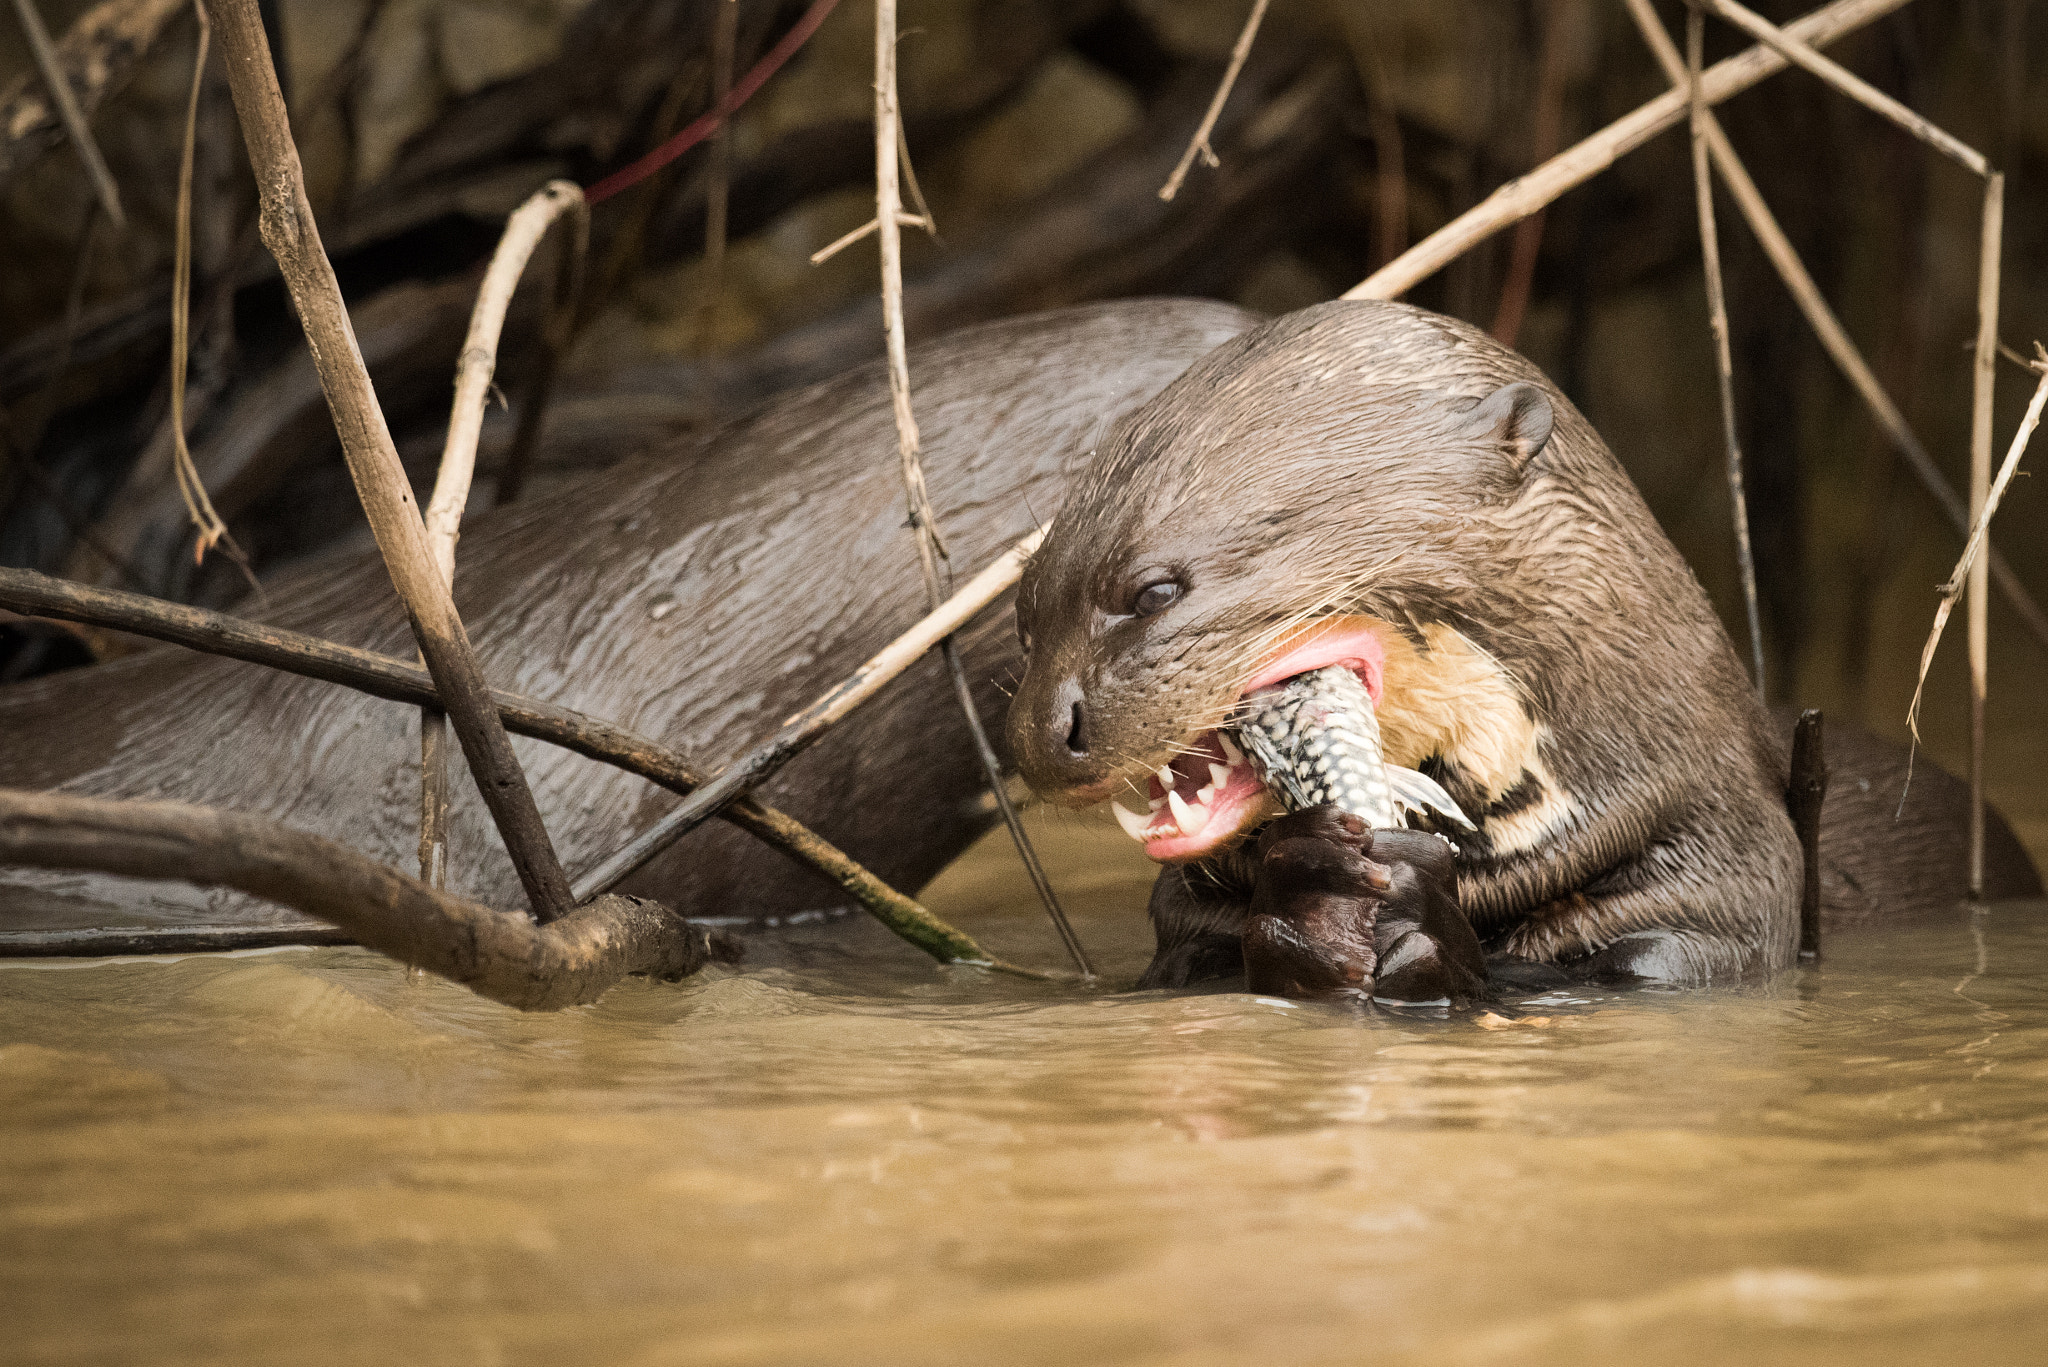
(841,1154)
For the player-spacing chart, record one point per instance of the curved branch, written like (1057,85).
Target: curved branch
(384,676)
(507,958)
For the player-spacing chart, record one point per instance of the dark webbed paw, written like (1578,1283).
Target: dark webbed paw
(1339,908)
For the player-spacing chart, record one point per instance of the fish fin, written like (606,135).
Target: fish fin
(1422,793)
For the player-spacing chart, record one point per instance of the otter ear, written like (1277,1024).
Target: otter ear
(1517,418)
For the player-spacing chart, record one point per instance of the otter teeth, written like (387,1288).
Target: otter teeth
(1165,777)
(1183,814)
(1219,777)
(1230,750)
(1133,824)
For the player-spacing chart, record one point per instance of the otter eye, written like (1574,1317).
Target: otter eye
(1156,597)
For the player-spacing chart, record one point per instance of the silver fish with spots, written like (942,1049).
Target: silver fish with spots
(1315,739)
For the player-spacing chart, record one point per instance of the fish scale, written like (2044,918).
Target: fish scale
(1315,739)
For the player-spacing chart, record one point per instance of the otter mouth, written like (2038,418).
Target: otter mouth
(1200,802)
(1209,796)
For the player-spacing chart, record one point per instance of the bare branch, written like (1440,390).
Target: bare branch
(1846,81)
(1833,337)
(800,731)
(1574,166)
(293,237)
(59,86)
(890,148)
(474,370)
(1199,144)
(1958,580)
(1724,366)
(506,958)
(99,52)
(1978,601)
(383,676)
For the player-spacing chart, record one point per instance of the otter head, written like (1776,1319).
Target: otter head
(1322,490)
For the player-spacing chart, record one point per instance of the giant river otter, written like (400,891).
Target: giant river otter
(1375,486)
(699,596)
(1360,483)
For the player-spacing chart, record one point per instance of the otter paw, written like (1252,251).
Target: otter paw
(1339,909)
(1315,906)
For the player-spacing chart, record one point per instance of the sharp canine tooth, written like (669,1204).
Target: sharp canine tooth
(1219,776)
(1133,824)
(1165,777)
(1184,815)
(1230,751)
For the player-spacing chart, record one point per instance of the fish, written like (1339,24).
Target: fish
(1315,739)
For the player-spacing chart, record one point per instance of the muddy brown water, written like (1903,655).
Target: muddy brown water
(843,1155)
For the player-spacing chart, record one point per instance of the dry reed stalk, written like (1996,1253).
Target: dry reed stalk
(1198,145)
(198,505)
(1834,339)
(1724,365)
(890,145)
(59,85)
(1989,252)
(384,676)
(506,958)
(289,230)
(1842,79)
(798,733)
(1972,559)
(474,369)
(1577,164)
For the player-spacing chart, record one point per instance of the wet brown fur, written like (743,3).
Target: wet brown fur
(1551,659)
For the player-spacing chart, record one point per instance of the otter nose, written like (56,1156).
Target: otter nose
(1074,711)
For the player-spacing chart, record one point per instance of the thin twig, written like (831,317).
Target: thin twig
(931,547)
(1717,315)
(478,364)
(797,734)
(1199,144)
(841,243)
(292,235)
(59,84)
(506,958)
(1577,164)
(385,676)
(1846,81)
(1989,254)
(103,49)
(1828,328)
(474,370)
(1966,567)
(212,531)
(558,333)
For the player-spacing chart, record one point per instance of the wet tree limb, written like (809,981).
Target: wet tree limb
(293,237)
(506,958)
(384,676)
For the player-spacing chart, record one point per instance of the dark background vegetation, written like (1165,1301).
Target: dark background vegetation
(1041,130)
